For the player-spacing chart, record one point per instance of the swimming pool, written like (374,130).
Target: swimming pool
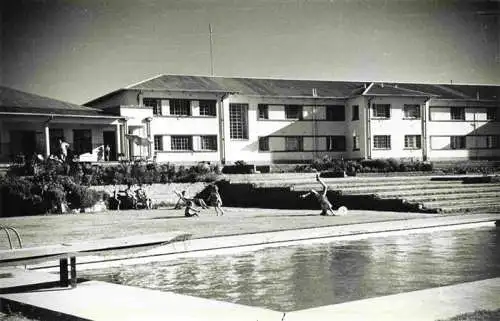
(304,276)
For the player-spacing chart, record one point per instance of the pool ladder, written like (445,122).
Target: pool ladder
(7,230)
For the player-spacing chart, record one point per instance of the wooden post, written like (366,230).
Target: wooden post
(63,272)
(73,271)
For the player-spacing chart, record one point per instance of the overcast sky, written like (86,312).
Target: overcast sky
(77,50)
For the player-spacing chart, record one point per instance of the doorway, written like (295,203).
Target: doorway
(109,138)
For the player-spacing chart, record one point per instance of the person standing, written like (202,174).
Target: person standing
(63,146)
(107,152)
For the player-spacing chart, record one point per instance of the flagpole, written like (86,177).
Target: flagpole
(211,50)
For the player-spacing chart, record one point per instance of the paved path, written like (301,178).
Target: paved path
(102,301)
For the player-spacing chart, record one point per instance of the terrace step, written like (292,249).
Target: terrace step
(403,192)
(465,201)
(385,186)
(489,207)
(448,197)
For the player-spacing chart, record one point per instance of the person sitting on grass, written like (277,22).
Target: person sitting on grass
(326,206)
(190,211)
(215,200)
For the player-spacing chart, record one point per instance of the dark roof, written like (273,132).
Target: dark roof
(16,101)
(467,92)
(304,88)
(252,86)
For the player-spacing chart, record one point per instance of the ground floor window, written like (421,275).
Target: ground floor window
(263,144)
(492,142)
(457,142)
(208,142)
(82,141)
(355,142)
(158,142)
(181,143)
(294,144)
(335,143)
(382,141)
(413,141)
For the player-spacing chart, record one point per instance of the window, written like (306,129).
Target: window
(492,142)
(457,142)
(208,142)
(457,113)
(293,144)
(335,143)
(180,107)
(355,112)
(413,142)
(238,121)
(411,111)
(355,143)
(207,108)
(382,142)
(263,144)
(153,102)
(263,111)
(293,112)
(82,141)
(182,143)
(382,110)
(335,113)
(491,114)
(158,142)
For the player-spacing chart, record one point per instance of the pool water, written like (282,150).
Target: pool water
(299,277)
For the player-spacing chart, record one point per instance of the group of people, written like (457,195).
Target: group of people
(214,199)
(134,198)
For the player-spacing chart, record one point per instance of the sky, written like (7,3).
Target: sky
(78,50)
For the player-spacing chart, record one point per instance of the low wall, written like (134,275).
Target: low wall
(160,193)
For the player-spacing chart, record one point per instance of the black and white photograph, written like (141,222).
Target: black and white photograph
(250,160)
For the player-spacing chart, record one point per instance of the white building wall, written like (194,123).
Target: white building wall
(475,127)
(396,127)
(277,128)
(356,128)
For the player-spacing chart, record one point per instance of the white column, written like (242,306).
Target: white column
(118,140)
(47,139)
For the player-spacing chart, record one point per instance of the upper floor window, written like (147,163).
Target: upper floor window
(238,121)
(181,143)
(491,114)
(413,142)
(382,111)
(153,102)
(335,113)
(382,141)
(294,143)
(263,111)
(411,111)
(457,142)
(180,107)
(355,112)
(207,108)
(335,143)
(293,112)
(457,113)
(264,144)
(158,142)
(208,142)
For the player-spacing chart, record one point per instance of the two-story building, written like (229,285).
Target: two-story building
(189,119)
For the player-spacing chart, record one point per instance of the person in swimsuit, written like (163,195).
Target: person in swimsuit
(326,206)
